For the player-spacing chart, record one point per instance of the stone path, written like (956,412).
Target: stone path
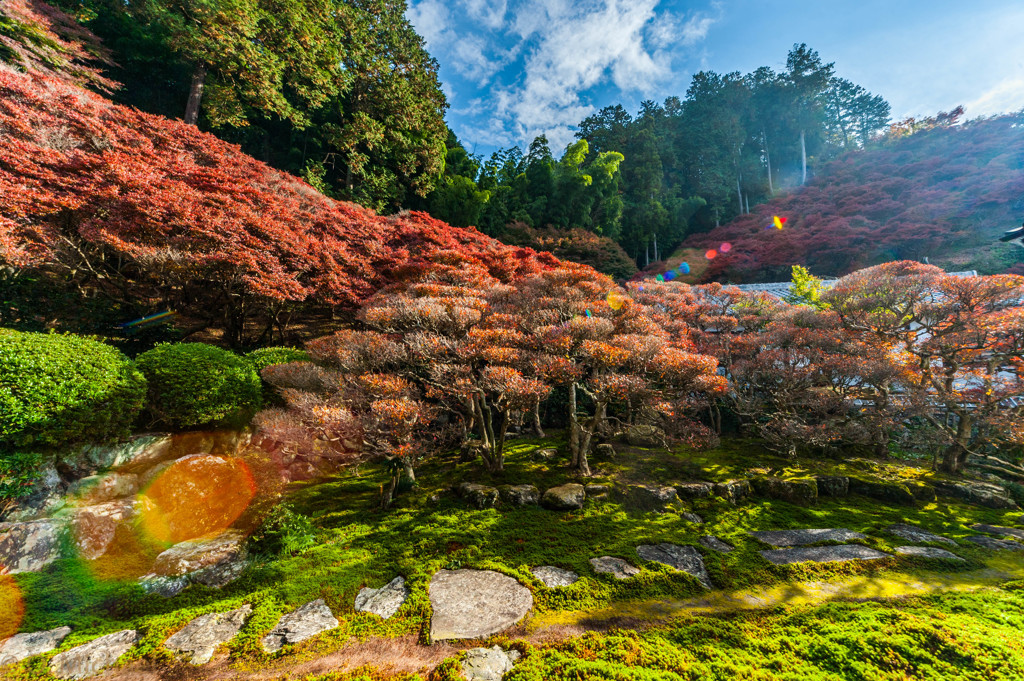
(997,529)
(784,538)
(475,603)
(916,534)
(93,657)
(927,552)
(488,664)
(715,544)
(385,601)
(311,619)
(615,567)
(22,646)
(200,637)
(554,577)
(823,554)
(992,543)
(683,558)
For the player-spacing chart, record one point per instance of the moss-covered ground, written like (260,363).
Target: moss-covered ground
(891,619)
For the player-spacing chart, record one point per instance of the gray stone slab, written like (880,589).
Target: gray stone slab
(822,554)
(683,558)
(475,603)
(554,577)
(22,646)
(488,664)
(995,544)
(916,534)
(715,544)
(385,601)
(30,546)
(1014,532)
(927,552)
(616,567)
(200,637)
(93,657)
(804,537)
(311,619)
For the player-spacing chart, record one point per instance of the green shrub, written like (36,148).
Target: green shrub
(194,384)
(264,357)
(284,532)
(18,473)
(63,390)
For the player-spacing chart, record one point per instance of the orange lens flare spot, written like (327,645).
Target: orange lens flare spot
(711,254)
(616,300)
(196,496)
(12,606)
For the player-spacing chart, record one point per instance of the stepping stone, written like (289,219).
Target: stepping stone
(995,544)
(616,567)
(916,534)
(201,636)
(683,558)
(564,497)
(93,657)
(804,537)
(715,544)
(488,664)
(554,577)
(385,601)
(475,603)
(693,518)
(998,529)
(311,619)
(822,554)
(927,552)
(21,646)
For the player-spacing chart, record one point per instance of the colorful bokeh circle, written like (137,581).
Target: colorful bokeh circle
(616,299)
(711,254)
(12,606)
(725,248)
(684,268)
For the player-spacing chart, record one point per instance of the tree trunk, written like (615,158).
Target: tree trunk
(195,94)
(656,258)
(803,158)
(955,455)
(574,425)
(768,158)
(409,472)
(746,201)
(388,491)
(538,430)
(739,194)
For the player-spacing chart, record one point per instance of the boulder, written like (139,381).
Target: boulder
(30,546)
(197,554)
(554,577)
(97,489)
(927,552)
(479,496)
(141,451)
(604,451)
(545,454)
(519,495)
(832,485)
(163,586)
(715,544)
(822,554)
(891,492)
(921,491)
(804,537)
(646,436)
(471,451)
(983,494)
(567,497)
(995,544)
(22,646)
(488,664)
(1014,532)
(616,567)
(311,619)
(223,573)
(475,603)
(683,558)
(693,518)
(733,490)
(385,601)
(595,490)
(694,490)
(94,527)
(916,534)
(200,637)
(651,497)
(93,657)
(800,491)
(46,497)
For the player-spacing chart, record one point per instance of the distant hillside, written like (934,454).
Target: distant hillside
(945,194)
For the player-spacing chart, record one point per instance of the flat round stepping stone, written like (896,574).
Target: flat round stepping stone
(996,544)
(488,664)
(93,657)
(1000,530)
(822,554)
(554,577)
(916,534)
(715,544)
(615,567)
(683,558)
(385,601)
(803,537)
(200,637)
(22,646)
(475,603)
(311,619)
(927,552)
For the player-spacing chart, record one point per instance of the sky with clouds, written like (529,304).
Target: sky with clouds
(513,69)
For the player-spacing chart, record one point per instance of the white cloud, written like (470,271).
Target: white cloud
(489,13)
(1005,96)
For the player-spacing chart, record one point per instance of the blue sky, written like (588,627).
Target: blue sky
(513,69)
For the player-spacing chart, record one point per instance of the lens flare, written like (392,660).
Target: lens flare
(684,268)
(589,316)
(660,277)
(196,496)
(670,275)
(12,605)
(778,222)
(725,248)
(711,254)
(616,299)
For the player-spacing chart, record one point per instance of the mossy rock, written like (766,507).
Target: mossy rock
(798,491)
(892,492)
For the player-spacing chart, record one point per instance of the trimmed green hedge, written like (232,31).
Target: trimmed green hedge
(264,357)
(59,390)
(194,384)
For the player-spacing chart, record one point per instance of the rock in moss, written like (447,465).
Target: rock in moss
(519,495)
(833,485)
(480,496)
(694,490)
(890,492)
(799,491)
(983,494)
(733,490)
(564,497)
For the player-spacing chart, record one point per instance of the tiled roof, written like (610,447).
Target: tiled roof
(781,288)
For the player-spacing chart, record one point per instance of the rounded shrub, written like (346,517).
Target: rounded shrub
(59,390)
(264,357)
(194,384)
